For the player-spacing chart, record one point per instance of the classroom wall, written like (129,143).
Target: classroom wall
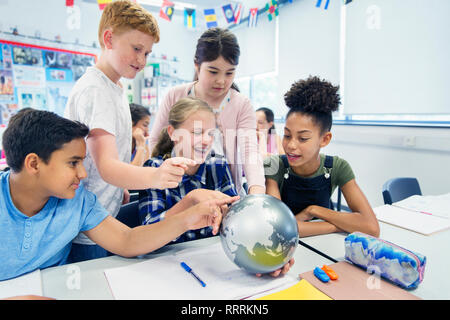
(308,43)
(50,18)
(378,153)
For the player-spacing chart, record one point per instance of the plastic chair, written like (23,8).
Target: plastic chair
(134,196)
(337,204)
(397,189)
(129,214)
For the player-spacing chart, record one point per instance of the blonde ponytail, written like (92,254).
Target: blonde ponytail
(164,146)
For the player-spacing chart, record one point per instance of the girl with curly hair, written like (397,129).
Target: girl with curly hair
(303,178)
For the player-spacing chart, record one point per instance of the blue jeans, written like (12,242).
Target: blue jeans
(82,252)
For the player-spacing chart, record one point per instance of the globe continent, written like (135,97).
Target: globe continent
(259,233)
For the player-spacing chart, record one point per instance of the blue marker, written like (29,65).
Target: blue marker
(321,275)
(189,269)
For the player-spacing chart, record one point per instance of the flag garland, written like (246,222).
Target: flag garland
(102,3)
(319,2)
(238,9)
(272,8)
(228,12)
(189,18)
(166,10)
(233,13)
(253,17)
(210,17)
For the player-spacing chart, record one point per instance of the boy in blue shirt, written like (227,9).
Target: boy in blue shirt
(43,204)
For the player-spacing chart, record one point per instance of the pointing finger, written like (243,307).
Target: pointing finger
(180,161)
(221,202)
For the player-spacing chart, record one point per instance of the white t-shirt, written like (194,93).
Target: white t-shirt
(101,104)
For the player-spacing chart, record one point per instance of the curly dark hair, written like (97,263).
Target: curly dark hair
(314,97)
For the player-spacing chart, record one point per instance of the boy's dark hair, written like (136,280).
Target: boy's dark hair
(138,112)
(316,98)
(216,42)
(40,132)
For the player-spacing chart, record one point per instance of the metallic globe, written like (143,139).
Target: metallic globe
(259,233)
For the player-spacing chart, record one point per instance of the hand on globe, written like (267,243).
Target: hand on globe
(260,234)
(207,213)
(283,270)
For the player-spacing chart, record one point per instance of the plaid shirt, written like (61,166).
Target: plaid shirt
(213,174)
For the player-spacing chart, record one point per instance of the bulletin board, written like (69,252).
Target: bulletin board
(38,77)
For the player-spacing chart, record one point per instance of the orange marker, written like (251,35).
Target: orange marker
(330,272)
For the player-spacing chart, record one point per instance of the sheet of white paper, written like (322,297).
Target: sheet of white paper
(411,220)
(27,284)
(164,278)
(434,205)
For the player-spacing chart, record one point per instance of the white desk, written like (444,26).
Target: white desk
(57,281)
(436,283)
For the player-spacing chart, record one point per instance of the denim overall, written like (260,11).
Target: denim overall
(298,193)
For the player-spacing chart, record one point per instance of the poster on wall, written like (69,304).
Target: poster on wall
(80,64)
(6,86)
(6,111)
(28,76)
(5,57)
(6,80)
(58,94)
(32,98)
(27,56)
(38,77)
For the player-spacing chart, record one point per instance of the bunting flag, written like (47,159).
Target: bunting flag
(272,9)
(103,3)
(238,9)
(69,3)
(166,10)
(210,17)
(228,13)
(319,2)
(189,18)
(346,1)
(253,17)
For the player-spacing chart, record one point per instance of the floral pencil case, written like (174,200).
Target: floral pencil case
(399,265)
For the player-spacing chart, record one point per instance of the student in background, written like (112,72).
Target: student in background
(189,134)
(44,204)
(140,118)
(126,33)
(304,179)
(268,140)
(216,59)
